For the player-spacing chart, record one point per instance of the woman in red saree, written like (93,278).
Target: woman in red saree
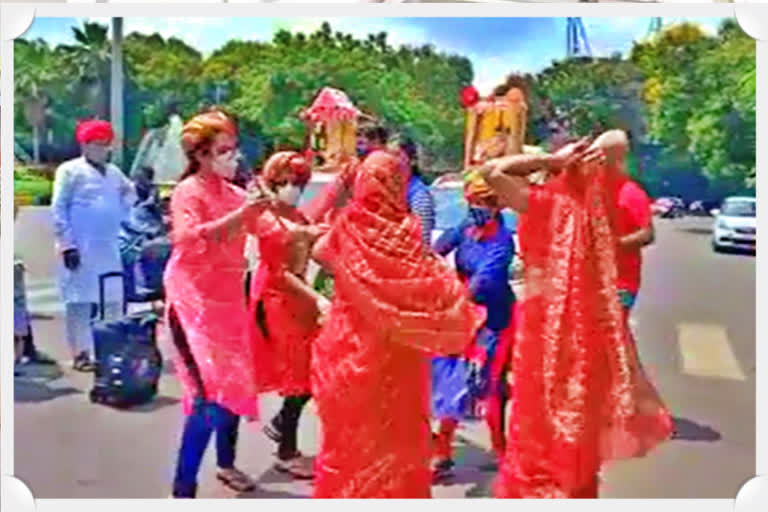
(580,397)
(394,306)
(283,307)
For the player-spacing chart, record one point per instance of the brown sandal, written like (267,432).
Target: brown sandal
(236,480)
(298,467)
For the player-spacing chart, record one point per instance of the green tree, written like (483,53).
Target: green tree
(592,94)
(412,89)
(686,95)
(700,91)
(37,85)
(90,61)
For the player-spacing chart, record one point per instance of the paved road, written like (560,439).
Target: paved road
(695,321)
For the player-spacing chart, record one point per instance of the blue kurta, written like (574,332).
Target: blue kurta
(485,264)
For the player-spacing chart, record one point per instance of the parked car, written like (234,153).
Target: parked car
(668,207)
(735,224)
(702,208)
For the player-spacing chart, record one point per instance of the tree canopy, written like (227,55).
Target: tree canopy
(687,95)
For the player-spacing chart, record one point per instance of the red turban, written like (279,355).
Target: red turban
(92,131)
(290,161)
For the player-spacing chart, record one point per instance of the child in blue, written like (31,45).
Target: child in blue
(484,251)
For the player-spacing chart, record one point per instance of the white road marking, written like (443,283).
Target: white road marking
(707,352)
(43,297)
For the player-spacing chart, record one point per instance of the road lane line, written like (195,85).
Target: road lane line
(706,352)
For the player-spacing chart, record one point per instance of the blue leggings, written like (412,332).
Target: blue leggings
(205,418)
(198,428)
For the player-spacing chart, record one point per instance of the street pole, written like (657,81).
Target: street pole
(116,95)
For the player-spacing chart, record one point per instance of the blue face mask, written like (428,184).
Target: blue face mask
(363,148)
(480,216)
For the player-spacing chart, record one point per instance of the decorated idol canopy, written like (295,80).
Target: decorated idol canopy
(495,125)
(332,125)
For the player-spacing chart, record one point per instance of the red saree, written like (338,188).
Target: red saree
(580,397)
(282,348)
(393,307)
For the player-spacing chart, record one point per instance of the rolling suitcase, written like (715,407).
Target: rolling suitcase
(128,362)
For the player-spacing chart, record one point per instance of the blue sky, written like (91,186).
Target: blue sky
(496,46)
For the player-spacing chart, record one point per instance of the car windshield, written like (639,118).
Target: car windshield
(739,209)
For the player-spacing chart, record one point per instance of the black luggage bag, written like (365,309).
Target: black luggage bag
(128,362)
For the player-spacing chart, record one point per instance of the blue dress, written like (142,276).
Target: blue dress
(485,264)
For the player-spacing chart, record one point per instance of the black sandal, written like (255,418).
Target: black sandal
(442,471)
(236,480)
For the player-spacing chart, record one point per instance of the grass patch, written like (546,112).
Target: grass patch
(32,188)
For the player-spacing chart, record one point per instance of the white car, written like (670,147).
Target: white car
(735,224)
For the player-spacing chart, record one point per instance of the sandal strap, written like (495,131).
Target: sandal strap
(236,478)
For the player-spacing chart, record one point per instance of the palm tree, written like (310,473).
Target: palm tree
(91,59)
(36,74)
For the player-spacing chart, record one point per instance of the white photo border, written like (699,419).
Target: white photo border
(315,9)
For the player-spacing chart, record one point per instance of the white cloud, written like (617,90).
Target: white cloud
(193,31)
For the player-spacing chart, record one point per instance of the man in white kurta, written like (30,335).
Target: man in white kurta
(91,197)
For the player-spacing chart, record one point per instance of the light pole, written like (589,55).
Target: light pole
(116,95)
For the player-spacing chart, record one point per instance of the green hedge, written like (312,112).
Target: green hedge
(30,187)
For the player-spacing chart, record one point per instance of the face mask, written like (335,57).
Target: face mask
(96,153)
(225,165)
(480,216)
(362,148)
(289,194)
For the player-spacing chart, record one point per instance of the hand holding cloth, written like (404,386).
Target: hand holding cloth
(580,395)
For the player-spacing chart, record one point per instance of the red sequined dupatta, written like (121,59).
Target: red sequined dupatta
(580,395)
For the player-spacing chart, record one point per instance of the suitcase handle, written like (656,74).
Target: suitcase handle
(102,279)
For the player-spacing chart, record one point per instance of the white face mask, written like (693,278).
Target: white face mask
(96,153)
(225,165)
(289,194)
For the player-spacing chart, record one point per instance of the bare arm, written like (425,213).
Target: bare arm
(639,239)
(301,287)
(322,254)
(522,165)
(511,190)
(525,164)
(507,176)
(332,195)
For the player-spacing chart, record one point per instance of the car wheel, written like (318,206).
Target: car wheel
(716,247)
